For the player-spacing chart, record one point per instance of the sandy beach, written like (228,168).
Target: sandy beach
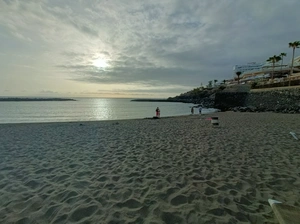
(155,171)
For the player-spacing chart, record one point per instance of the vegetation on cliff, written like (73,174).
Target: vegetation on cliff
(200,95)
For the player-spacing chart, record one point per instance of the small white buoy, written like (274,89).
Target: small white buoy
(214,121)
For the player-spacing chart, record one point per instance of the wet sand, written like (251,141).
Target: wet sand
(169,170)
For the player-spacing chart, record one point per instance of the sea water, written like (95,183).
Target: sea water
(86,109)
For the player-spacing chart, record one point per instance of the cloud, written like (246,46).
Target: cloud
(160,43)
(26,67)
(48,92)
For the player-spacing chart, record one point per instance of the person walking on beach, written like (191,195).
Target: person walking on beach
(192,110)
(157,112)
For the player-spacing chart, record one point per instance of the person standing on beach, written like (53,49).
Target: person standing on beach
(157,112)
(192,110)
(200,109)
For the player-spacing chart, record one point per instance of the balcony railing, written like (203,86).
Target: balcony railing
(293,80)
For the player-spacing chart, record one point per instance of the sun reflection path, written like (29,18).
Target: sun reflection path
(102,109)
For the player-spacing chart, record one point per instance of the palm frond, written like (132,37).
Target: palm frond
(282,54)
(295,44)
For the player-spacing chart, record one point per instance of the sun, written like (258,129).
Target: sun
(100,63)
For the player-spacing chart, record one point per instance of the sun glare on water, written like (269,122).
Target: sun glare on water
(100,63)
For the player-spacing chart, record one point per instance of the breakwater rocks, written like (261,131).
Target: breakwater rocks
(228,100)
(281,100)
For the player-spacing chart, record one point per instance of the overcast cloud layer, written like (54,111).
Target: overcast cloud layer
(156,48)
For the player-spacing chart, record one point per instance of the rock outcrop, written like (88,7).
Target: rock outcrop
(282,101)
(205,98)
(240,98)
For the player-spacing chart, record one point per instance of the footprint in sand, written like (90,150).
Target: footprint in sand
(179,200)
(233,192)
(210,191)
(244,201)
(130,204)
(172,190)
(61,178)
(67,194)
(32,184)
(171,218)
(198,178)
(52,211)
(212,184)
(116,178)
(217,212)
(102,179)
(43,170)
(83,212)
(195,195)
(61,219)
(23,220)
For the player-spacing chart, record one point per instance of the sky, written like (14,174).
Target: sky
(136,48)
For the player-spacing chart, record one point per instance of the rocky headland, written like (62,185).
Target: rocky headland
(241,98)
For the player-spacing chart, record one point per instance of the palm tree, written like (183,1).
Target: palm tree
(209,84)
(238,75)
(293,45)
(282,55)
(215,81)
(273,60)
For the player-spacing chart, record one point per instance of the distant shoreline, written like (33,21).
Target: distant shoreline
(17,99)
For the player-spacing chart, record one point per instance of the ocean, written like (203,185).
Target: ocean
(86,109)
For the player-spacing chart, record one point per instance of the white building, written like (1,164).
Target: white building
(253,66)
(260,70)
(297,61)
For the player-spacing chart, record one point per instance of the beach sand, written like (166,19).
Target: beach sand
(169,170)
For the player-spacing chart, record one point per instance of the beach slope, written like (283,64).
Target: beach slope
(169,170)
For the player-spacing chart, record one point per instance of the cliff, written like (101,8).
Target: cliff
(278,100)
(241,98)
(205,97)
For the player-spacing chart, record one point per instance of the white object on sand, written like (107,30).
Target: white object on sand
(271,202)
(286,214)
(214,121)
(294,135)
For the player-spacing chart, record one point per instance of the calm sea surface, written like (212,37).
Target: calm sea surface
(86,109)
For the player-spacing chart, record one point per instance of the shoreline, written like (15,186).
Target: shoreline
(148,118)
(97,121)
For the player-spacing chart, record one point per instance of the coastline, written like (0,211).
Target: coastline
(85,110)
(176,169)
(97,121)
